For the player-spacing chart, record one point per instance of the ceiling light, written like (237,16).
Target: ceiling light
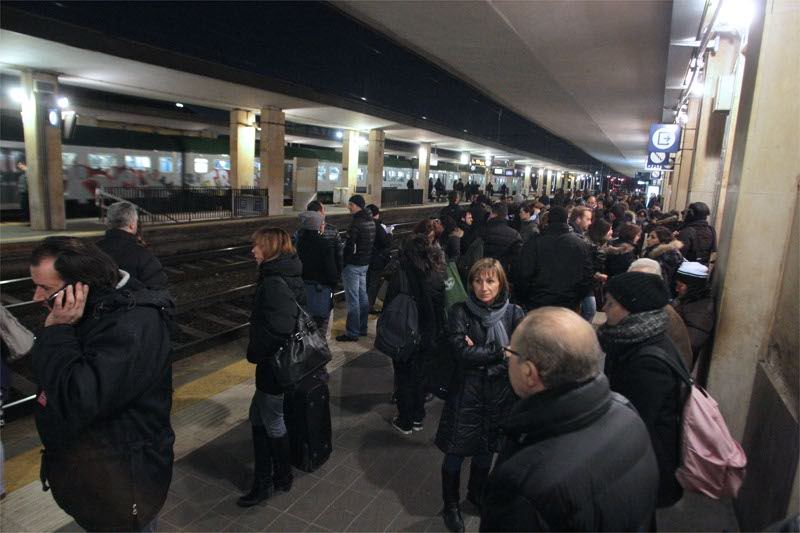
(63,102)
(736,13)
(339,134)
(424,118)
(364,98)
(465,131)
(178,104)
(697,89)
(464,158)
(17,94)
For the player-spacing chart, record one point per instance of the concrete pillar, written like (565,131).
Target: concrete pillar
(526,181)
(377,141)
(349,176)
(685,157)
(711,125)
(273,134)
(243,149)
(424,169)
(43,151)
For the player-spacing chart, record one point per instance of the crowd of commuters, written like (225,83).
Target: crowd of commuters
(570,422)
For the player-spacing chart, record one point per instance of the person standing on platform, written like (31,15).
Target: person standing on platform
(430,190)
(319,275)
(480,395)
(104,371)
(357,256)
(330,233)
(698,237)
(695,305)
(381,256)
(121,244)
(529,220)
(453,210)
(22,188)
(662,247)
(279,295)
(575,456)
(458,187)
(410,184)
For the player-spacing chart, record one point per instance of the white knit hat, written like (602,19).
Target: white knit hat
(693,270)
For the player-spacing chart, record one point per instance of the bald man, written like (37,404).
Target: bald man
(576,457)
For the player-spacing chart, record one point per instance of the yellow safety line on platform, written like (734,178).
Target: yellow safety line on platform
(24,468)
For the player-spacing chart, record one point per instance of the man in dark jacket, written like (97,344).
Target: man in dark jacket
(357,256)
(635,342)
(330,233)
(121,244)
(556,268)
(698,238)
(104,370)
(453,210)
(381,255)
(501,241)
(576,457)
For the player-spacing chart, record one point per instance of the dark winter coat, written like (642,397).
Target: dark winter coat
(576,458)
(656,393)
(331,234)
(619,257)
(501,241)
(360,239)
(699,240)
(555,268)
(428,293)
(528,229)
(274,315)
(103,409)
(133,258)
(669,257)
(318,257)
(698,316)
(453,211)
(451,244)
(480,395)
(381,249)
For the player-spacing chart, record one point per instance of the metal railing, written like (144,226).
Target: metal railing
(187,204)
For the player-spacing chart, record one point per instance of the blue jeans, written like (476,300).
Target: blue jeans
(267,410)
(588,308)
(354,279)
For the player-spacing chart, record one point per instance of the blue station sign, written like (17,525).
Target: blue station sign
(664,138)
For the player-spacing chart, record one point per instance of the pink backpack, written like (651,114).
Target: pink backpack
(712,462)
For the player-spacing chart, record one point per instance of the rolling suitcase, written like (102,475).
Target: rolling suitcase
(306,410)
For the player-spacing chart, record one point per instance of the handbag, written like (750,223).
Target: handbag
(305,351)
(453,288)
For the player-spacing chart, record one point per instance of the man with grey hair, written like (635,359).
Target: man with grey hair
(576,457)
(122,244)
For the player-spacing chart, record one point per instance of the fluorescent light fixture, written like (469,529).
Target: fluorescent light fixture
(17,94)
(63,102)
(736,13)
(178,104)
(364,98)
(424,118)
(339,135)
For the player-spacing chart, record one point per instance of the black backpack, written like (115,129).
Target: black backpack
(471,255)
(398,333)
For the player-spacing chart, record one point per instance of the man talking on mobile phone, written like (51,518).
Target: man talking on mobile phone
(104,371)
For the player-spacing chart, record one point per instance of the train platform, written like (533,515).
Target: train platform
(375,480)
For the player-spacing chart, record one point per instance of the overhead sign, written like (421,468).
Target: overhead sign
(659,161)
(664,138)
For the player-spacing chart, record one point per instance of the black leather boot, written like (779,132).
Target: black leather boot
(281,462)
(451,496)
(477,481)
(262,478)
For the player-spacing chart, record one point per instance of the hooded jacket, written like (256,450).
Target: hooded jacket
(699,240)
(501,241)
(360,239)
(480,394)
(669,257)
(133,258)
(574,458)
(103,408)
(274,316)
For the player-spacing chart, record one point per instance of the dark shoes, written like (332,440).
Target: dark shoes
(417,426)
(272,468)
(453,520)
(451,514)
(282,476)
(345,338)
(477,481)
(261,491)
(402,428)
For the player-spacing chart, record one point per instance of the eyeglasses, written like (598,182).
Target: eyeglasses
(508,351)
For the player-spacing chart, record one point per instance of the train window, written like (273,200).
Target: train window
(165,164)
(68,159)
(321,171)
(137,161)
(334,174)
(200,165)
(102,160)
(221,164)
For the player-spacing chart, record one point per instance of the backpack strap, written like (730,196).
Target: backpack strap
(677,367)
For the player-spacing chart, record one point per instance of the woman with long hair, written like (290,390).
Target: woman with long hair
(662,247)
(480,394)
(275,310)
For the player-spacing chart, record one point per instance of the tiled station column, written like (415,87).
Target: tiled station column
(424,169)
(42,134)
(349,176)
(243,149)
(377,141)
(273,135)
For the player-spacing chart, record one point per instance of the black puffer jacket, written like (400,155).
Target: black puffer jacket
(576,458)
(480,394)
(103,411)
(699,240)
(318,257)
(620,254)
(555,268)
(360,239)
(453,211)
(669,257)
(274,314)
(133,258)
(656,392)
(501,241)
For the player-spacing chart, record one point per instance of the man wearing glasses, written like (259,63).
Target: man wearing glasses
(576,457)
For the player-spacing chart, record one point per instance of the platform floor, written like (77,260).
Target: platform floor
(375,480)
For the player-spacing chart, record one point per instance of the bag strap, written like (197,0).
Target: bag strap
(677,368)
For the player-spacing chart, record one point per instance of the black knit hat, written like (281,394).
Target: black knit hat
(558,215)
(638,291)
(358,200)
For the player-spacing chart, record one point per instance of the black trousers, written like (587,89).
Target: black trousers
(410,382)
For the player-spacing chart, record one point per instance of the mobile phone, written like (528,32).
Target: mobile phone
(52,298)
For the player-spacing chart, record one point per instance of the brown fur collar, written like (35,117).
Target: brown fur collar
(664,248)
(623,248)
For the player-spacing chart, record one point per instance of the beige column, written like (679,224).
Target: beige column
(711,125)
(526,181)
(685,156)
(243,149)
(424,169)
(273,135)
(43,151)
(377,141)
(349,176)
